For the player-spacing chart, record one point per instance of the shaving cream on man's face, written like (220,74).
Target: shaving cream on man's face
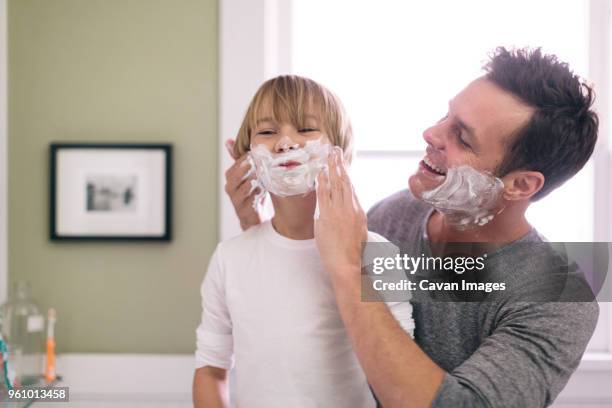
(467,196)
(289,173)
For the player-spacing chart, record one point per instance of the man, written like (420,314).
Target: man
(529,122)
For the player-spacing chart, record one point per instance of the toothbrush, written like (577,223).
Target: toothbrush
(9,375)
(50,369)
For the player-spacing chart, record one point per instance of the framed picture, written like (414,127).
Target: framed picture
(108,191)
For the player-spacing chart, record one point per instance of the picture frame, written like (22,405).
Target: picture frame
(110,191)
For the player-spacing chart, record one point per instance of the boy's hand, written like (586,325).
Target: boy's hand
(341,227)
(238,189)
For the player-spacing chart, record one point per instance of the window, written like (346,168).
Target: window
(395,65)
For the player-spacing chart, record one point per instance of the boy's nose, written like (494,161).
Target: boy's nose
(285,144)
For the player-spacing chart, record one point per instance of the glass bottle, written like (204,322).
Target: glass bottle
(23,333)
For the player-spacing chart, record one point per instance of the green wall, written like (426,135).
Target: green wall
(114,70)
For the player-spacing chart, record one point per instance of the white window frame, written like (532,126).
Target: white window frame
(261,48)
(599,73)
(600,21)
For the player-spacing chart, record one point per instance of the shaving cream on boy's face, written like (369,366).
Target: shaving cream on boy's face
(467,196)
(292,172)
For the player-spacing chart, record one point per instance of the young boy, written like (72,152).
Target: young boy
(268,307)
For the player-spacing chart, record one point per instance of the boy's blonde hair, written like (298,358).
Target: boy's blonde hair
(291,98)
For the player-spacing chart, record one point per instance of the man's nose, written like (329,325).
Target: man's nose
(285,144)
(434,136)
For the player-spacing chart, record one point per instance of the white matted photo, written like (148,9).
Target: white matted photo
(110,191)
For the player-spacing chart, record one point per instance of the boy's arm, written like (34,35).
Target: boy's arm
(210,388)
(214,340)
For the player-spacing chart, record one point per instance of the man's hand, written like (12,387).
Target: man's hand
(341,227)
(238,188)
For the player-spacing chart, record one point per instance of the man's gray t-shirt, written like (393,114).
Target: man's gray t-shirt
(503,353)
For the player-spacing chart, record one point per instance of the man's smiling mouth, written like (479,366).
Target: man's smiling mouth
(428,165)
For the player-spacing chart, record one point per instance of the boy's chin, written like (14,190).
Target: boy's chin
(307,195)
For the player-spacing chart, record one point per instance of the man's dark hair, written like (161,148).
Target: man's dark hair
(560,136)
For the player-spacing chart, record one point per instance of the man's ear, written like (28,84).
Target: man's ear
(521,185)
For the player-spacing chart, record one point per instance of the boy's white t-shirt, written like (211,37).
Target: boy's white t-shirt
(269,309)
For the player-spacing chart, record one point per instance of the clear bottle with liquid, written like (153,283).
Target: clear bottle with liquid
(23,332)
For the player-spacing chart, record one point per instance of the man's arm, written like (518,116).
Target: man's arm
(210,388)
(400,373)
(398,370)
